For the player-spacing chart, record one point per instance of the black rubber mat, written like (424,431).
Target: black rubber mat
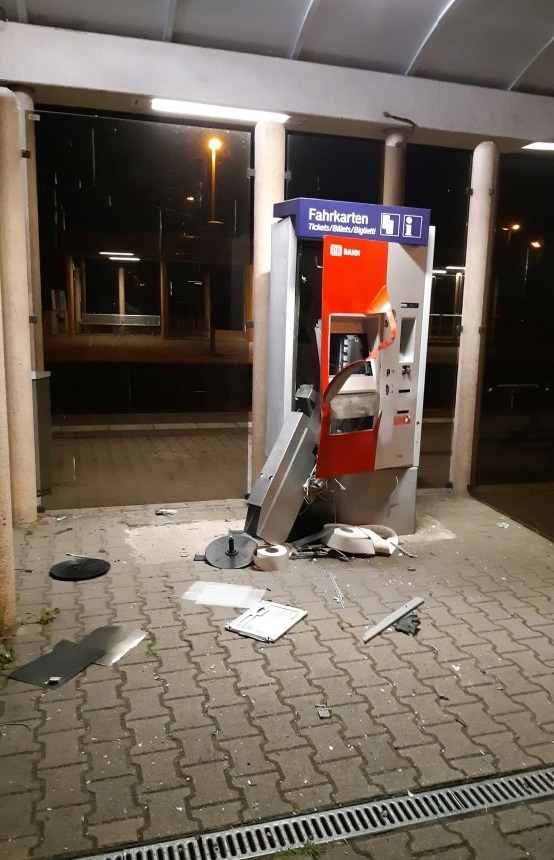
(77,569)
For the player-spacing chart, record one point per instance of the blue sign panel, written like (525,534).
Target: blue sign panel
(314,219)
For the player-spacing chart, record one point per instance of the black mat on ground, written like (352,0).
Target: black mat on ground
(77,569)
(59,665)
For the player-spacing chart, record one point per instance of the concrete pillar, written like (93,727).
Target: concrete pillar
(27,126)
(474,314)
(394,169)
(7,576)
(269,188)
(15,304)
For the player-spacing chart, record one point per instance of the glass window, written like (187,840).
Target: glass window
(334,168)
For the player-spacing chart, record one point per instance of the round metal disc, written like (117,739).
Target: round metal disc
(76,569)
(216,552)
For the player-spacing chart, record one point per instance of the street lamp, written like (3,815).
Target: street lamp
(536,245)
(511,228)
(214,144)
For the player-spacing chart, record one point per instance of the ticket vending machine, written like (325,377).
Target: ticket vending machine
(350,293)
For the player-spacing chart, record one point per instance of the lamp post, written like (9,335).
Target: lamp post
(511,228)
(536,245)
(214,144)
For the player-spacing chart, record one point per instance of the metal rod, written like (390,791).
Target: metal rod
(394,616)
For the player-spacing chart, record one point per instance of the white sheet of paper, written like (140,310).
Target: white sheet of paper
(223,594)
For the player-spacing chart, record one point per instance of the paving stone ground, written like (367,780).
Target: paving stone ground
(197,729)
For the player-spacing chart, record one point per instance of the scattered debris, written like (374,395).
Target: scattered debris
(57,666)
(79,568)
(113,641)
(63,531)
(339,595)
(223,594)
(166,512)
(410,624)
(324,712)
(405,552)
(503,525)
(394,616)
(23,570)
(266,621)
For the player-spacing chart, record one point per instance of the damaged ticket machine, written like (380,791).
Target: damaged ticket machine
(350,294)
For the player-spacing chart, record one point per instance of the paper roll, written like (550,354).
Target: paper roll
(385,540)
(351,540)
(271,557)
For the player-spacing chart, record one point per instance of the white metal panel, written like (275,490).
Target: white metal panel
(143,18)
(378,35)
(282,327)
(256,26)
(486,42)
(406,283)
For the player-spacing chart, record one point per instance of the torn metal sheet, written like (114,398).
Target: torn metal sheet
(114,641)
(278,493)
(79,568)
(266,621)
(58,666)
(223,594)
(394,616)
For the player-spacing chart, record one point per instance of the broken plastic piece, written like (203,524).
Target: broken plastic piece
(410,624)
(324,713)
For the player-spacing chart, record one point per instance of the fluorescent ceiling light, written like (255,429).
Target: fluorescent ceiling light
(117,253)
(543,145)
(126,259)
(176,106)
(439,271)
(456,268)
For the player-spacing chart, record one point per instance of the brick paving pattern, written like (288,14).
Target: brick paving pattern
(198,729)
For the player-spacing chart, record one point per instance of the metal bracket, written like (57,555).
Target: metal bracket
(25,153)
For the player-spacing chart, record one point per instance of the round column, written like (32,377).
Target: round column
(269,188)
(394,169)
(474,314)
(15,304)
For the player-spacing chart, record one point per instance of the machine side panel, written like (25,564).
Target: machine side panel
(423,345)
(400,363)
(281,344)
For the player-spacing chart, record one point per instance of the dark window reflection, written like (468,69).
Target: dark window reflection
(334,168)
(517,426)
(141,188)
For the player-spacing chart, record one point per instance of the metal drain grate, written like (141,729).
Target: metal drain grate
(350,822)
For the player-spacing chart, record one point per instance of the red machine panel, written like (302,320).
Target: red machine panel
(357,323)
